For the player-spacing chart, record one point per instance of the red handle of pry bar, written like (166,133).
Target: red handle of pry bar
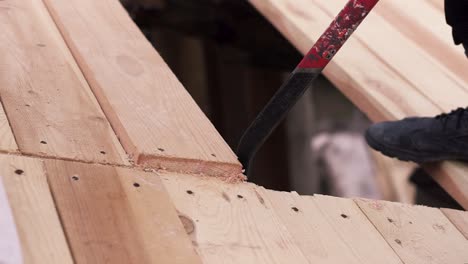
(337,33)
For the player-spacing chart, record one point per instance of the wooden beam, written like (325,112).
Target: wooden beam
(231,223)
(323,226)
(117,215)
(459,219)
(417,234)
(156,120)
(426,26)
(38,225)
(51,109)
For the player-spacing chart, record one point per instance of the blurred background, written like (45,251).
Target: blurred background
(231,60)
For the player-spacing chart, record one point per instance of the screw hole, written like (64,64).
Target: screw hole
(240,196)
(136,184)
(189,192)
(161,149)
(75,178)
(213,155)
(344,216)
(43,142)
(102,152)
(295,209)
(19,172)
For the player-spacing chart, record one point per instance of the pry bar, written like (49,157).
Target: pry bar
(302,78)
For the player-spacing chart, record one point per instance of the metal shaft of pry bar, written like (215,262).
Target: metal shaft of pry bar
(302,78)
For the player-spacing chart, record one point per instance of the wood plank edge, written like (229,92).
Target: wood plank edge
(230,172)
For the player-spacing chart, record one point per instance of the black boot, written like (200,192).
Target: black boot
(444,137)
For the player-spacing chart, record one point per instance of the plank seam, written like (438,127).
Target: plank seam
(453,223)
(46,175)
(380,233)
(9,124)
(82,73)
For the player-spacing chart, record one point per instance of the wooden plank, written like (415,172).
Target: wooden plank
(39,229)
(155,118)
(417,234)
(459,219)
(413,64)
(10,249)
(51,108)
(354,229)
(427,27)
(231,223)
(7,140)
(319,234)
(117,215)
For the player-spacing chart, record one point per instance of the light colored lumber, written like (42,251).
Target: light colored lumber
(417,234)
(10,249)
(407,58)
(7,140)
(383,72)
(51,108)
(231,223)
(427,27)
(38,225)
(325,236)
(459,219)
(117,215)
(155,118)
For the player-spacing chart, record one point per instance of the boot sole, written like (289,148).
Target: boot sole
(405,155)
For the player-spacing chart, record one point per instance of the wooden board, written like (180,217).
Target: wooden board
(155,118)
(51,109)
(231,223)
(330,230)
(10,249)
(433,37)
(117,215)
(7,140)
(459,219)
(39,229)
(417,234)
(382,70)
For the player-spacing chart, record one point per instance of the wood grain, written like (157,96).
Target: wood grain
(459,219)
(38,225)
(10,248)
(117,215)
(155,118)
(407,58)
(324,236)
(231,223)
(51,108)
(426,26)
(417,234)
